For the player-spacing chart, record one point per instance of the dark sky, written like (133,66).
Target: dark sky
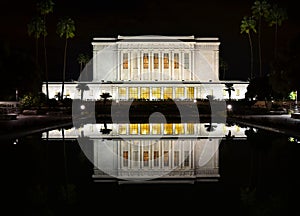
(213,18)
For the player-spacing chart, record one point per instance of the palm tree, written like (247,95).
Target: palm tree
(223,67)
(248,24)
(35,28)
(66,29)
(45,7)
(83,59)
(82,87)
(104,96)
(260,9)
(229,88)
(276,17)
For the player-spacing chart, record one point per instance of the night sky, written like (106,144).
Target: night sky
(213,18)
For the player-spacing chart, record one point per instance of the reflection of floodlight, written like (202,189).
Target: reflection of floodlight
(82,107)
(229,107)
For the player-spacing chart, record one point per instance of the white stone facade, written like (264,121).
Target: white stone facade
(152,67)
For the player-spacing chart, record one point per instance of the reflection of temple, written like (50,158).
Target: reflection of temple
(183,152)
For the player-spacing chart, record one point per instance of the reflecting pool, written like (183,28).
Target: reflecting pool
(210,168)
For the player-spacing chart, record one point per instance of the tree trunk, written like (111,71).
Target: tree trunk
(64,70)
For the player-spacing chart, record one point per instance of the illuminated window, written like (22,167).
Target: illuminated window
(237,92)
(168,128)
(122,93)
(176,158)
(145,93)
(156,129)
(224,92)
(166,158)
(179,129)
(146,60)
(155,61)
(122,129)
(156,92)
(146,158)
(186,158)
(156,158)
(134,61)
(179,92)
(145,129)
(190,129)
(176,60)
(125,158)
(168,93)
(125,60)
(166,61)
(133,93)
(186,61)
(133,129)
(190,92)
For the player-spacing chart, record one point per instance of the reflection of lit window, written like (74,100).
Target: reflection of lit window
(125,61)
(179,129)
(125,158)
(166,61)
(176,158)
(135,158)
(224,92)
(166,158)
(179,92)
(156,93)
(190,92)
(145,60)
(122,129)
(145,93)
(133,93)
(156,129)
(145,129)
(156,158)
(186,158)
(155,60)
(190,128)
(146,158)
(168,128)
(133,129)
(122,93)
(176,60)
(168,93)
(186,61)
(237,92)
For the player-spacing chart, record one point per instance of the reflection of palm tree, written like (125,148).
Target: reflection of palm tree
(65,163)
(105,130)
(82,87)
(210,127)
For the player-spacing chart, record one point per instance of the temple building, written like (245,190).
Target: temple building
(152,68)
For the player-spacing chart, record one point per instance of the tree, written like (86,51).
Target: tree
(66,29)
(247,26)
(276,17)
(82,87)
(36,28)
(45,7)
(105,96)
(260,10)
(229,88)
(83,59)
(223,67)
